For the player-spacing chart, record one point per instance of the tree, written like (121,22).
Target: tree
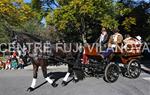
(13,15)
(143,26)
(76,17)
(141,14)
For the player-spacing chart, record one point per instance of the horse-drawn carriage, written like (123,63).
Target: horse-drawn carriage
(125,61)
(93,63)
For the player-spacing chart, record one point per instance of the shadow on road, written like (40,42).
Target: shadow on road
(40,85)
(56,76)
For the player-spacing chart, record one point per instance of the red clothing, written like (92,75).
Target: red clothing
(15,54)
(85,58)
(8,62)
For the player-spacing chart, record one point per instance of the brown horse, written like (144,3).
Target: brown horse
(40,59)
(43,59)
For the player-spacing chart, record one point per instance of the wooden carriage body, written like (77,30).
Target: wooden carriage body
(131,50)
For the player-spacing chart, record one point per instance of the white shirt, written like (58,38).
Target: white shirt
(101,38)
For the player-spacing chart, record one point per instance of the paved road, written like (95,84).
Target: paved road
(15,82)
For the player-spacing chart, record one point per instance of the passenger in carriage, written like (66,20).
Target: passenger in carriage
(114,42)
(132,45)
(115,39)
(137,39)
(103,39)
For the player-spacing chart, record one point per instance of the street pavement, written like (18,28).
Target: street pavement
(16,82)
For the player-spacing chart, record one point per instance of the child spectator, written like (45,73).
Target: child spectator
(14,54)
(21,64)
(14,63)
(8,64)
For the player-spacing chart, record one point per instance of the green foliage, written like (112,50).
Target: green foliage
(109,22)
(36,5)
(128,22)
(141,14)
(14,14)
(73,18)
(3,36)
(63,2)
(36,29)
(76,17)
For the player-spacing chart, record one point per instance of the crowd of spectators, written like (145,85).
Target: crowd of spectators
(11,62)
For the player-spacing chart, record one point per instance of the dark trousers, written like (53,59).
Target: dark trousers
(108,52)
(20,66)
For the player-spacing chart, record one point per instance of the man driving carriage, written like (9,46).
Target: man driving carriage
(108,45)
(114,42)
(103,39)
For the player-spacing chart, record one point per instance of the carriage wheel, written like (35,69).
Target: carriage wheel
(134,68)
(111,73)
